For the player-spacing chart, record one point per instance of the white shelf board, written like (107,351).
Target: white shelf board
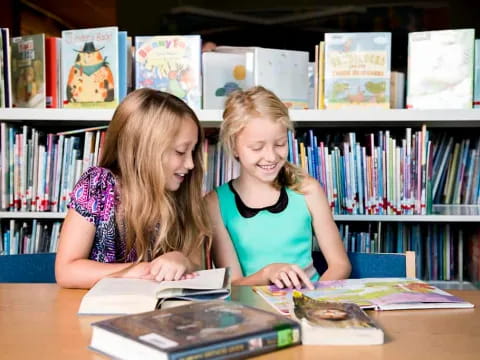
(31,215)
(409,218)
(342,117)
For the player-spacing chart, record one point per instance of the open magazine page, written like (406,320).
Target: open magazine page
(376,293)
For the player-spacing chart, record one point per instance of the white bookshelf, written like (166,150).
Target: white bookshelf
(443,214)
(317,118)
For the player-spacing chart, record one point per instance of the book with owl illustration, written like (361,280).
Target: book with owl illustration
(90,68)
(202,330)
(357,70)
(440,69)
(334,323)
(222,74)
(28,71)
(172,64)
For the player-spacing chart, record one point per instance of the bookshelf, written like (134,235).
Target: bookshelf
(463,120)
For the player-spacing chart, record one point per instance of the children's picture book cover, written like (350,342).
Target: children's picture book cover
(28,71)
(440,69)
(171,64)
(357,70)
(90,68)
(223,73)
(368,293)
(334,323)
(211,329)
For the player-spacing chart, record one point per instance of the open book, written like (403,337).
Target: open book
(129,296)
(334,323)
(372,293)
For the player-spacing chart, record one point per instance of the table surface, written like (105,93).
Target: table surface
(40,321)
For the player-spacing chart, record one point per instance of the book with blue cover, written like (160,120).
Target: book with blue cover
(357,70)
(476,80)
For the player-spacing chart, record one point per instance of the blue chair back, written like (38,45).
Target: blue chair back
(373,265)
(27,268)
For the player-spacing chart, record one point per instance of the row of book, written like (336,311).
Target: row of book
(39,170)
(29,236)
(353,69)
(390,174)
(96,67)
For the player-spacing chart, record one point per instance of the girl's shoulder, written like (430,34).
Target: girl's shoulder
(98,175)
(308,187)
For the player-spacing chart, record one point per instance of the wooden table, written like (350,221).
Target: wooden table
(40,321)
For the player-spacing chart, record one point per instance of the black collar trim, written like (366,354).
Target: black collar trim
(248,212)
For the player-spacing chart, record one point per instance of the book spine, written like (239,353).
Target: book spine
(243,347)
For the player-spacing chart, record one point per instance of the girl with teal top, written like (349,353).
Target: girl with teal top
(263,221)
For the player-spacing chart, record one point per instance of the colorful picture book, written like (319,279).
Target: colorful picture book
(28,71)
(285,72)
(440,69)
(90,74)
(204,330)
(171,64)
(129,296)
(357,70)
(371,293)
(334,323)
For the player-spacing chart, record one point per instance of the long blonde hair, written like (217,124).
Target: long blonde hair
(156,220)
(243,106)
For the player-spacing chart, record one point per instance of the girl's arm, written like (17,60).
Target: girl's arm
(224,255)
(326,232)
(73,269)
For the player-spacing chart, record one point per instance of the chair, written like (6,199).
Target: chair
(374,265)
(27,268)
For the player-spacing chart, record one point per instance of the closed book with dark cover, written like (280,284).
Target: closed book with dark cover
(200,330)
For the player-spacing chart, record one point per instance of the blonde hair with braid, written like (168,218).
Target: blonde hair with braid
(243,106)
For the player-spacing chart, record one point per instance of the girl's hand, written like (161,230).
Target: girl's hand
(170,266)
(286,275)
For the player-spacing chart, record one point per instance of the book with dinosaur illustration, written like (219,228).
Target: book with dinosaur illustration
(357,70)
(440,69)
(170,63)
(90,76)
(368,293)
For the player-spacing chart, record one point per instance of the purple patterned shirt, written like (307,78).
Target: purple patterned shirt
(96,197)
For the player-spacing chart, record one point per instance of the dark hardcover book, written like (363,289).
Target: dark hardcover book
(201,330)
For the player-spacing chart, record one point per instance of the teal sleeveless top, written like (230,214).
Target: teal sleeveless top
(269,237)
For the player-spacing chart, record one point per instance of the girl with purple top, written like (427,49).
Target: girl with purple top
(140,213)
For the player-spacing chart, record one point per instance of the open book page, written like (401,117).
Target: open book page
(376,293)
(125,296)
